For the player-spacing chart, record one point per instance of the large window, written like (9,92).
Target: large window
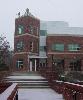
(73,47)
(20,29)
(20,46)
(58,47)
(43,32)
(42,48)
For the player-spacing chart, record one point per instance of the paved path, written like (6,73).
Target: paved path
(38,94)
(32,86)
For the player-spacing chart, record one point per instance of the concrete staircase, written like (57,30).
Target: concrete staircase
(28,80)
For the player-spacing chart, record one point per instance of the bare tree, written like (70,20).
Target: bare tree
(4,51)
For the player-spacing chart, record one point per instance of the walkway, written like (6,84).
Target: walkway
(32,86)
(38,94)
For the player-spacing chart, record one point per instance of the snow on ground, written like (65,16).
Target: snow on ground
(26,77)
(38,94)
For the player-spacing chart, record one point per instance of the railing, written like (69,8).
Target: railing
(70,91)
(9,93)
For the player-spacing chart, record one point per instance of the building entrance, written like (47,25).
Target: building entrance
(33,65)
(35,62)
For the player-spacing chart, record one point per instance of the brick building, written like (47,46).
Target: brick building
(65,52)
(34,49)
(26,42)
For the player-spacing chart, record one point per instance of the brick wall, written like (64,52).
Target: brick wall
(70,91)
(26,37)
(26,21)
(66,55)
(26,40)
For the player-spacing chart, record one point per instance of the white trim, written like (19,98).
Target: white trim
(37,56)
(30,53)
(35,65)
(73,35)
(26,34)
(30,66)
(62,53)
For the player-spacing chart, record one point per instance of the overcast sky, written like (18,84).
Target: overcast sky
(57,10)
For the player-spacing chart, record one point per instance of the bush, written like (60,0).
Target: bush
(74,76)
(4,67)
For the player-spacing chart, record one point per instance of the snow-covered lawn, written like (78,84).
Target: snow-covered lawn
(26,77)
(38,94)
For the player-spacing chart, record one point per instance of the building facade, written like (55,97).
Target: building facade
(34,49)
(65,52)
(26,42)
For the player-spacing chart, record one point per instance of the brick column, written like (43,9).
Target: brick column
(49,61)
(49,67)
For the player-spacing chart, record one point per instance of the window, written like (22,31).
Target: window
(42,48)
(19,64)
(30,29)
(37,31)
(20,46)
(58,47)
(75,64)
(20,29)
(31,46)
(43,32)
(73,47)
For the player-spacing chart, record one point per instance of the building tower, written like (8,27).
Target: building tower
(26,42)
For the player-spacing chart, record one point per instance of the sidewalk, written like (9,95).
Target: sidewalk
(38,94)
(32,86)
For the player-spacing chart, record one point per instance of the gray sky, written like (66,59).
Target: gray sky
(58,10)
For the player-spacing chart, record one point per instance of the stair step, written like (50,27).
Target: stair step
(28,81)
(33,86)
(25,79)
